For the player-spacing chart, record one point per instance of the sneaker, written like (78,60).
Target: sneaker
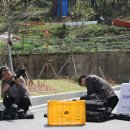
(29,115)
(5,111)
(13,111)
(21,114)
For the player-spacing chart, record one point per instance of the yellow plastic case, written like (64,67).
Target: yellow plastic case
(66,112)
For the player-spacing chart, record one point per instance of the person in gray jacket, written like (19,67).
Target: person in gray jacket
(100,88)
(15,94)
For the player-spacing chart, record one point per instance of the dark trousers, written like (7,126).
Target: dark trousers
(22,102)
(112,102)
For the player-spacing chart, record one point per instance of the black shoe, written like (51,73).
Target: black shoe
(6,114)
(46,115)
(13,111)
(1,115)
(21,114)
(111,117)
(29,115)
(7,117)
(5,111)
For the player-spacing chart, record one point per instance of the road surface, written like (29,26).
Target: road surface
(40,123)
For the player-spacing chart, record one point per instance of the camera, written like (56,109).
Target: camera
(19,72)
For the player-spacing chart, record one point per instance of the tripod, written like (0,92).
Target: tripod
(48,62)
(69,58)
(97,68)
(20,59)
(46,65)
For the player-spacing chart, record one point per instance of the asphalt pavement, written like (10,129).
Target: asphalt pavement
(40,123)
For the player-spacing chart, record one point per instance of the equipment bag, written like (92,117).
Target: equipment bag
(97,111)
(94,119)
(93,105)
(96,116)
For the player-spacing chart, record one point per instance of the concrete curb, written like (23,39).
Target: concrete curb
(38,100)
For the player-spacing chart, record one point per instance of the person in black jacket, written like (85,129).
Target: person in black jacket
(100,88)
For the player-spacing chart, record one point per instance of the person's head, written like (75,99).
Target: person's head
(5,73)
(81,80)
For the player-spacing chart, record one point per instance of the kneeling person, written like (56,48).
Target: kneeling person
(99,87)
(15,94)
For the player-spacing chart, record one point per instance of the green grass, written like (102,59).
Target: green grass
(64,39)
(54,86)
(47,87)
(61,39)
(64,85)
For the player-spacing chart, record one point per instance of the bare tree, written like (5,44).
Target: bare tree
(94,4)
(12,11)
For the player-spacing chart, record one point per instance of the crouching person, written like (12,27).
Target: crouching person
(98,88)
(15,94)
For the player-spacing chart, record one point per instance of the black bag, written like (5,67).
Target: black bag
(94,114)
(97,111)
(93,105)
(100,118)
(94,119)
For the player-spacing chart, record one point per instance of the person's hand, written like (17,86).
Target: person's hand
(6,88)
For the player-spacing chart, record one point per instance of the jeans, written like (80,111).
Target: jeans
(112,102)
